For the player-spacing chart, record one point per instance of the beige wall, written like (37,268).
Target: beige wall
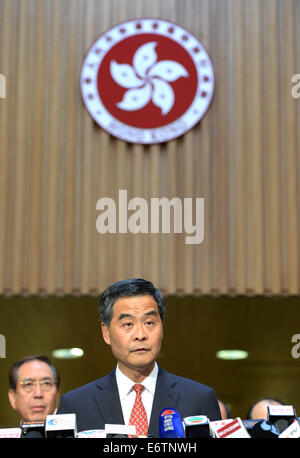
(243,157)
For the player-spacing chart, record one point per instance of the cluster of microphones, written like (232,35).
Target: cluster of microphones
(282,422)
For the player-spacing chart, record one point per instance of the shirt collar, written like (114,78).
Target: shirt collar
(125,384)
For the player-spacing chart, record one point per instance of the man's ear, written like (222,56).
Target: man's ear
(105,333)
(12,398)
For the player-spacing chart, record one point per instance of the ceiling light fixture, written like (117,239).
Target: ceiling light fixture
(67,353)
(232,354)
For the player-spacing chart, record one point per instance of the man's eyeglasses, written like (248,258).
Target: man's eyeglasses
(46,384)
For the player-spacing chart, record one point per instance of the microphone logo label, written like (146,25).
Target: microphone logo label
(167,412)
(198,419)
(63,421)
(54,422)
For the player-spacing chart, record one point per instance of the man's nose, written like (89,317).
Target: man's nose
(38,392)
(140,333)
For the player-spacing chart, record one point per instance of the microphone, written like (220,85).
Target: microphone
(292,432)
(33,429)
(261,429)
(116,436)
(93,433)
(114,430)
(10,433)
(61,425)
(281,416)
(250,423)
(232,429)
(215,425)
(170,425)
(197,426)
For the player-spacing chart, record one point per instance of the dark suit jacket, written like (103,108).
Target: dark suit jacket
(98,402)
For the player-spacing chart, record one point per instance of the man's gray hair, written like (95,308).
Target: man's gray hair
(13,373)
(128,288)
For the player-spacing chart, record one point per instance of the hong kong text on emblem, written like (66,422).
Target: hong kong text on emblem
(147,81)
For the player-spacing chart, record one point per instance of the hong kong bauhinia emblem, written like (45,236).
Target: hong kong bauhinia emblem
(147,81)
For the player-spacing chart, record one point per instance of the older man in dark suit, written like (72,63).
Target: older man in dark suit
(132,313)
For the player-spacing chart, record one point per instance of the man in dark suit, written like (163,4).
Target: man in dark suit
(132,313)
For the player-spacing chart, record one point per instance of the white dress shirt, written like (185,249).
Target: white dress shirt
(127,394)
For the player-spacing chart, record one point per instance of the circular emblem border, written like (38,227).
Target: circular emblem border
(195,112)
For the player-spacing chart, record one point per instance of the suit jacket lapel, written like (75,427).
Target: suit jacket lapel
(109,406)
(108,400)
(165,396)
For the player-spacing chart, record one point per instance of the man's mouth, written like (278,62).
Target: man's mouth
(140,350)
(38,408)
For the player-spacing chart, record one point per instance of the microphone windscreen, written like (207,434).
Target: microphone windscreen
(34,435)
(263,428)
(170,424)
(197,426)
(33,429)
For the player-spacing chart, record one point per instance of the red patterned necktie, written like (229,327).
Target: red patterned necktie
(138,416)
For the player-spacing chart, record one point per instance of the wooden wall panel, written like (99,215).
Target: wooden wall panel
(243,157)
